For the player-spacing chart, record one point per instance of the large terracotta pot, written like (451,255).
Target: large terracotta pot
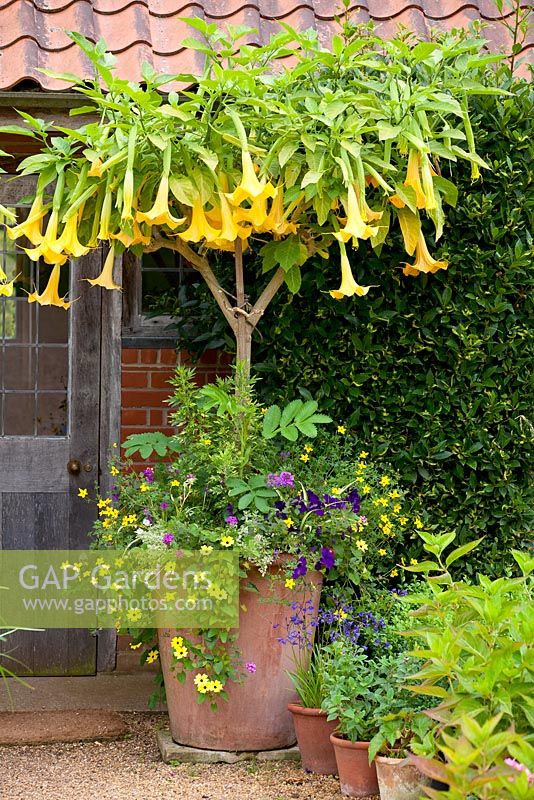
(313,738)
(398,779)
(356,776)
(255,717)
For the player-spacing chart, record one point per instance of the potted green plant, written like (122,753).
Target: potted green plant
(312,727)
(235,478)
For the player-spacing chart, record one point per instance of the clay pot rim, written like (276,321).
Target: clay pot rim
(306,711)
(338,742)
(394,761)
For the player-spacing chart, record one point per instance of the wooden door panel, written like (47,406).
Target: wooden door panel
(39,504)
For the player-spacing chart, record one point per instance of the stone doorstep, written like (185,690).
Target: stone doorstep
(171,751)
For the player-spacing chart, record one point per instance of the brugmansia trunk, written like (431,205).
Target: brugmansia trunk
(244,344)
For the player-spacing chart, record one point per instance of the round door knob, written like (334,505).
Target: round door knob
(74,466)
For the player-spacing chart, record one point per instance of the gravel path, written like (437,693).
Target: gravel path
(131,769)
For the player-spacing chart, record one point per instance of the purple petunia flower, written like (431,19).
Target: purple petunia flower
(149,474)
(231,520)
(327,560)
(163,506)
(167,538)
(250,666)
(301,568)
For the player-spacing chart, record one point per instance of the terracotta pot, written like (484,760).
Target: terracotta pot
(398,779)
(356,776)
(255,717)
(313,738)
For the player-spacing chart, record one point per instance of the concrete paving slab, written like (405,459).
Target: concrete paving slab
(173,752)
(49,727)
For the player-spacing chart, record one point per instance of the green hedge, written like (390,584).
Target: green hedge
(434,374)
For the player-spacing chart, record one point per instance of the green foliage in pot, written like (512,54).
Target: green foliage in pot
(478,654)
(308,678)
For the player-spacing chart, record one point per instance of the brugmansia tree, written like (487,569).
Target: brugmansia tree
(284,150)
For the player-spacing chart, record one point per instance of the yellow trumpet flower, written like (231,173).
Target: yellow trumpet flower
(396,201)
(6,288)
(355,227)
(127,195)
(136,237)
(105,279)
(50,296)
(199,227)
(423,260)
(255,215)
(348,287)
(159,214)
(413,179)
(68,241)
(96,169)
(31,227)
(368,214)
(47,249)
(250,187)
(105,216)
(428,186)
(276,220)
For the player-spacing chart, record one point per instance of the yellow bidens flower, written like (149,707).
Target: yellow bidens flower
(336,491)
(364,454)
(114,471)
(305,457)
(290,583)
(366,489)
(152,656)
(413,561)
(206,441)
(103,502)
(308,448)
(175,482)
(385,481)
(144,487)
(341,429)
(382,552)
(227,541)
(129,519)
(418,523)
(394,494)
(362,545)
(288,522)
(394,573)
(403,520)
(82,492)
(341,614)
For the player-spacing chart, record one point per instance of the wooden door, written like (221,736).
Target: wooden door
(50,414)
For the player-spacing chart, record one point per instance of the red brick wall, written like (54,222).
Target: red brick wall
(145,376)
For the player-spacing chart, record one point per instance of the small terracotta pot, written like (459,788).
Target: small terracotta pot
(356,776)
(398,779)
(313,738)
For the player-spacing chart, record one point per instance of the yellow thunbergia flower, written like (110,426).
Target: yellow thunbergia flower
(105,279)
(355,227)
(152,656)
(423,260)
(250,187)
(31,227)
(215,687)
(82,492)
(348,286)
(134,614)
(46,248)
(227,541)
(289,583)
(413,179)
(159,214)
(50,296)
(362,545)
(206,548)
